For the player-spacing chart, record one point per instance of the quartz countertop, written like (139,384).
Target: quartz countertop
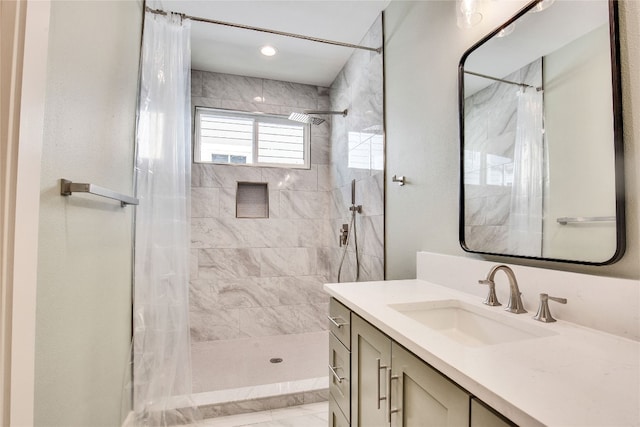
(575,376)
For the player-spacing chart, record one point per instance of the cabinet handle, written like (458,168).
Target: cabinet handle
(335,374)
(333,320)
(380,398)
(389,379)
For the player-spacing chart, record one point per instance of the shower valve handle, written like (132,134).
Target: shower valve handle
(344,234)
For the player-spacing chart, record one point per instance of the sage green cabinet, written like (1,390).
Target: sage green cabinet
(336,417)
(370,360)
(483,416)
(391,387)
(421,396)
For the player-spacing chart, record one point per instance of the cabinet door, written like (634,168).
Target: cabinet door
(370,359)
(420,396)
(482,416)
(336,417)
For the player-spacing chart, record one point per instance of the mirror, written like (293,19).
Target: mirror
(541,136)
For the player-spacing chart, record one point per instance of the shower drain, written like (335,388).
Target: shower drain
(276,360)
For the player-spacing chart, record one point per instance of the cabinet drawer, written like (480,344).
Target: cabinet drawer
(336,417)
(340,322)
(340,374)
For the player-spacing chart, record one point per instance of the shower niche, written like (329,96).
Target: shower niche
(252,200)
(541,136)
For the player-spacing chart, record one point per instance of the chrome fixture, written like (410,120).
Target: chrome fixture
(399,179)
(264,30)
(344,234)
(544,314)
(305,116)
(485,76)
(67,188)
(344,240)
(582,219)
(515,297)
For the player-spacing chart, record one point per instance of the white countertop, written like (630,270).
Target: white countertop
(575,377)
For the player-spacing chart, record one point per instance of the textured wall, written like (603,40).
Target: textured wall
(264,277)
(258,277)
(83,318)
(490,136)
(423,46)
(357,152)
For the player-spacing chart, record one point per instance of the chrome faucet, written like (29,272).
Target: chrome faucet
(543,314)
(515,299)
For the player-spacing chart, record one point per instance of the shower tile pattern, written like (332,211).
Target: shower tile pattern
(357,152)
(247,269)
(490,133)
(257,278)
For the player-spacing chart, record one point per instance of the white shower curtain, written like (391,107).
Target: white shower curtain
(161,344)
(525,219)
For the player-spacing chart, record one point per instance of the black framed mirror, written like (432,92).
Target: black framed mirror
(541,151)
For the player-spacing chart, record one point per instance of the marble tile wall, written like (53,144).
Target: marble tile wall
(259,277)
(263,277)
(490,132)
(357,152)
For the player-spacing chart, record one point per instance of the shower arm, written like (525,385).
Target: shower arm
(342,113)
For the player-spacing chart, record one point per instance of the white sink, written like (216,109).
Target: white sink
(469,324)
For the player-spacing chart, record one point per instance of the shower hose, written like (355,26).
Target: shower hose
(352,226)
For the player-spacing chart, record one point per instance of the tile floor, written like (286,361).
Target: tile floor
(311,415)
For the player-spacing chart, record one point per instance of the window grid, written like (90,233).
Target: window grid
(259,139)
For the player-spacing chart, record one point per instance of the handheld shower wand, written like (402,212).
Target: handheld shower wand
(348,229)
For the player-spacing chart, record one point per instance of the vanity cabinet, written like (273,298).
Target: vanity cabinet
(483,416)
(419,394)
(339,364)
(371,358)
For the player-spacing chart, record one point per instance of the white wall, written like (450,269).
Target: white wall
(423,46)
(83,319)
(577,82)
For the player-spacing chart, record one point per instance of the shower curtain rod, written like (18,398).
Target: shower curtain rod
(265,30)
(502,80)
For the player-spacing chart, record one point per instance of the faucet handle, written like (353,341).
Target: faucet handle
(544,314)
(491,298)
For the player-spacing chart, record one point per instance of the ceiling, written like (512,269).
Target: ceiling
(237,51)
(535,35)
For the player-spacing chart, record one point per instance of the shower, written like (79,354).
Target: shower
(345,233)
(305,116)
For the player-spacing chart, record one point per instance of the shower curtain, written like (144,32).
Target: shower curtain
(161,347)
(525,218)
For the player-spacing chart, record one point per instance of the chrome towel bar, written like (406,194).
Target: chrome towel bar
(67,188)
(566,220)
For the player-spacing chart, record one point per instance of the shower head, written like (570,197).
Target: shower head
(305,116)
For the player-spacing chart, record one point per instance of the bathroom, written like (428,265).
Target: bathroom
(75,314)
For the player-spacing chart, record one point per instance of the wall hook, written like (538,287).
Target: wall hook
(398,179)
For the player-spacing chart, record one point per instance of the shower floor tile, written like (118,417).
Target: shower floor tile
(312,415)
(229,364)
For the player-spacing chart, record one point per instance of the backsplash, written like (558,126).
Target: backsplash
(604,303)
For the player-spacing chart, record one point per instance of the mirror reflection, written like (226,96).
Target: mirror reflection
(540,137)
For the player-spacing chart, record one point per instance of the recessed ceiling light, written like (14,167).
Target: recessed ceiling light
(268,50)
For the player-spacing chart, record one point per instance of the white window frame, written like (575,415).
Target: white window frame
(256,118)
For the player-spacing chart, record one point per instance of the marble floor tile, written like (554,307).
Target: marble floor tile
(311,415)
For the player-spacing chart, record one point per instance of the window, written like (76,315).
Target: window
(249,139)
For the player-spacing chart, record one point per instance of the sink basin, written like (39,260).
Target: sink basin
(468,324)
